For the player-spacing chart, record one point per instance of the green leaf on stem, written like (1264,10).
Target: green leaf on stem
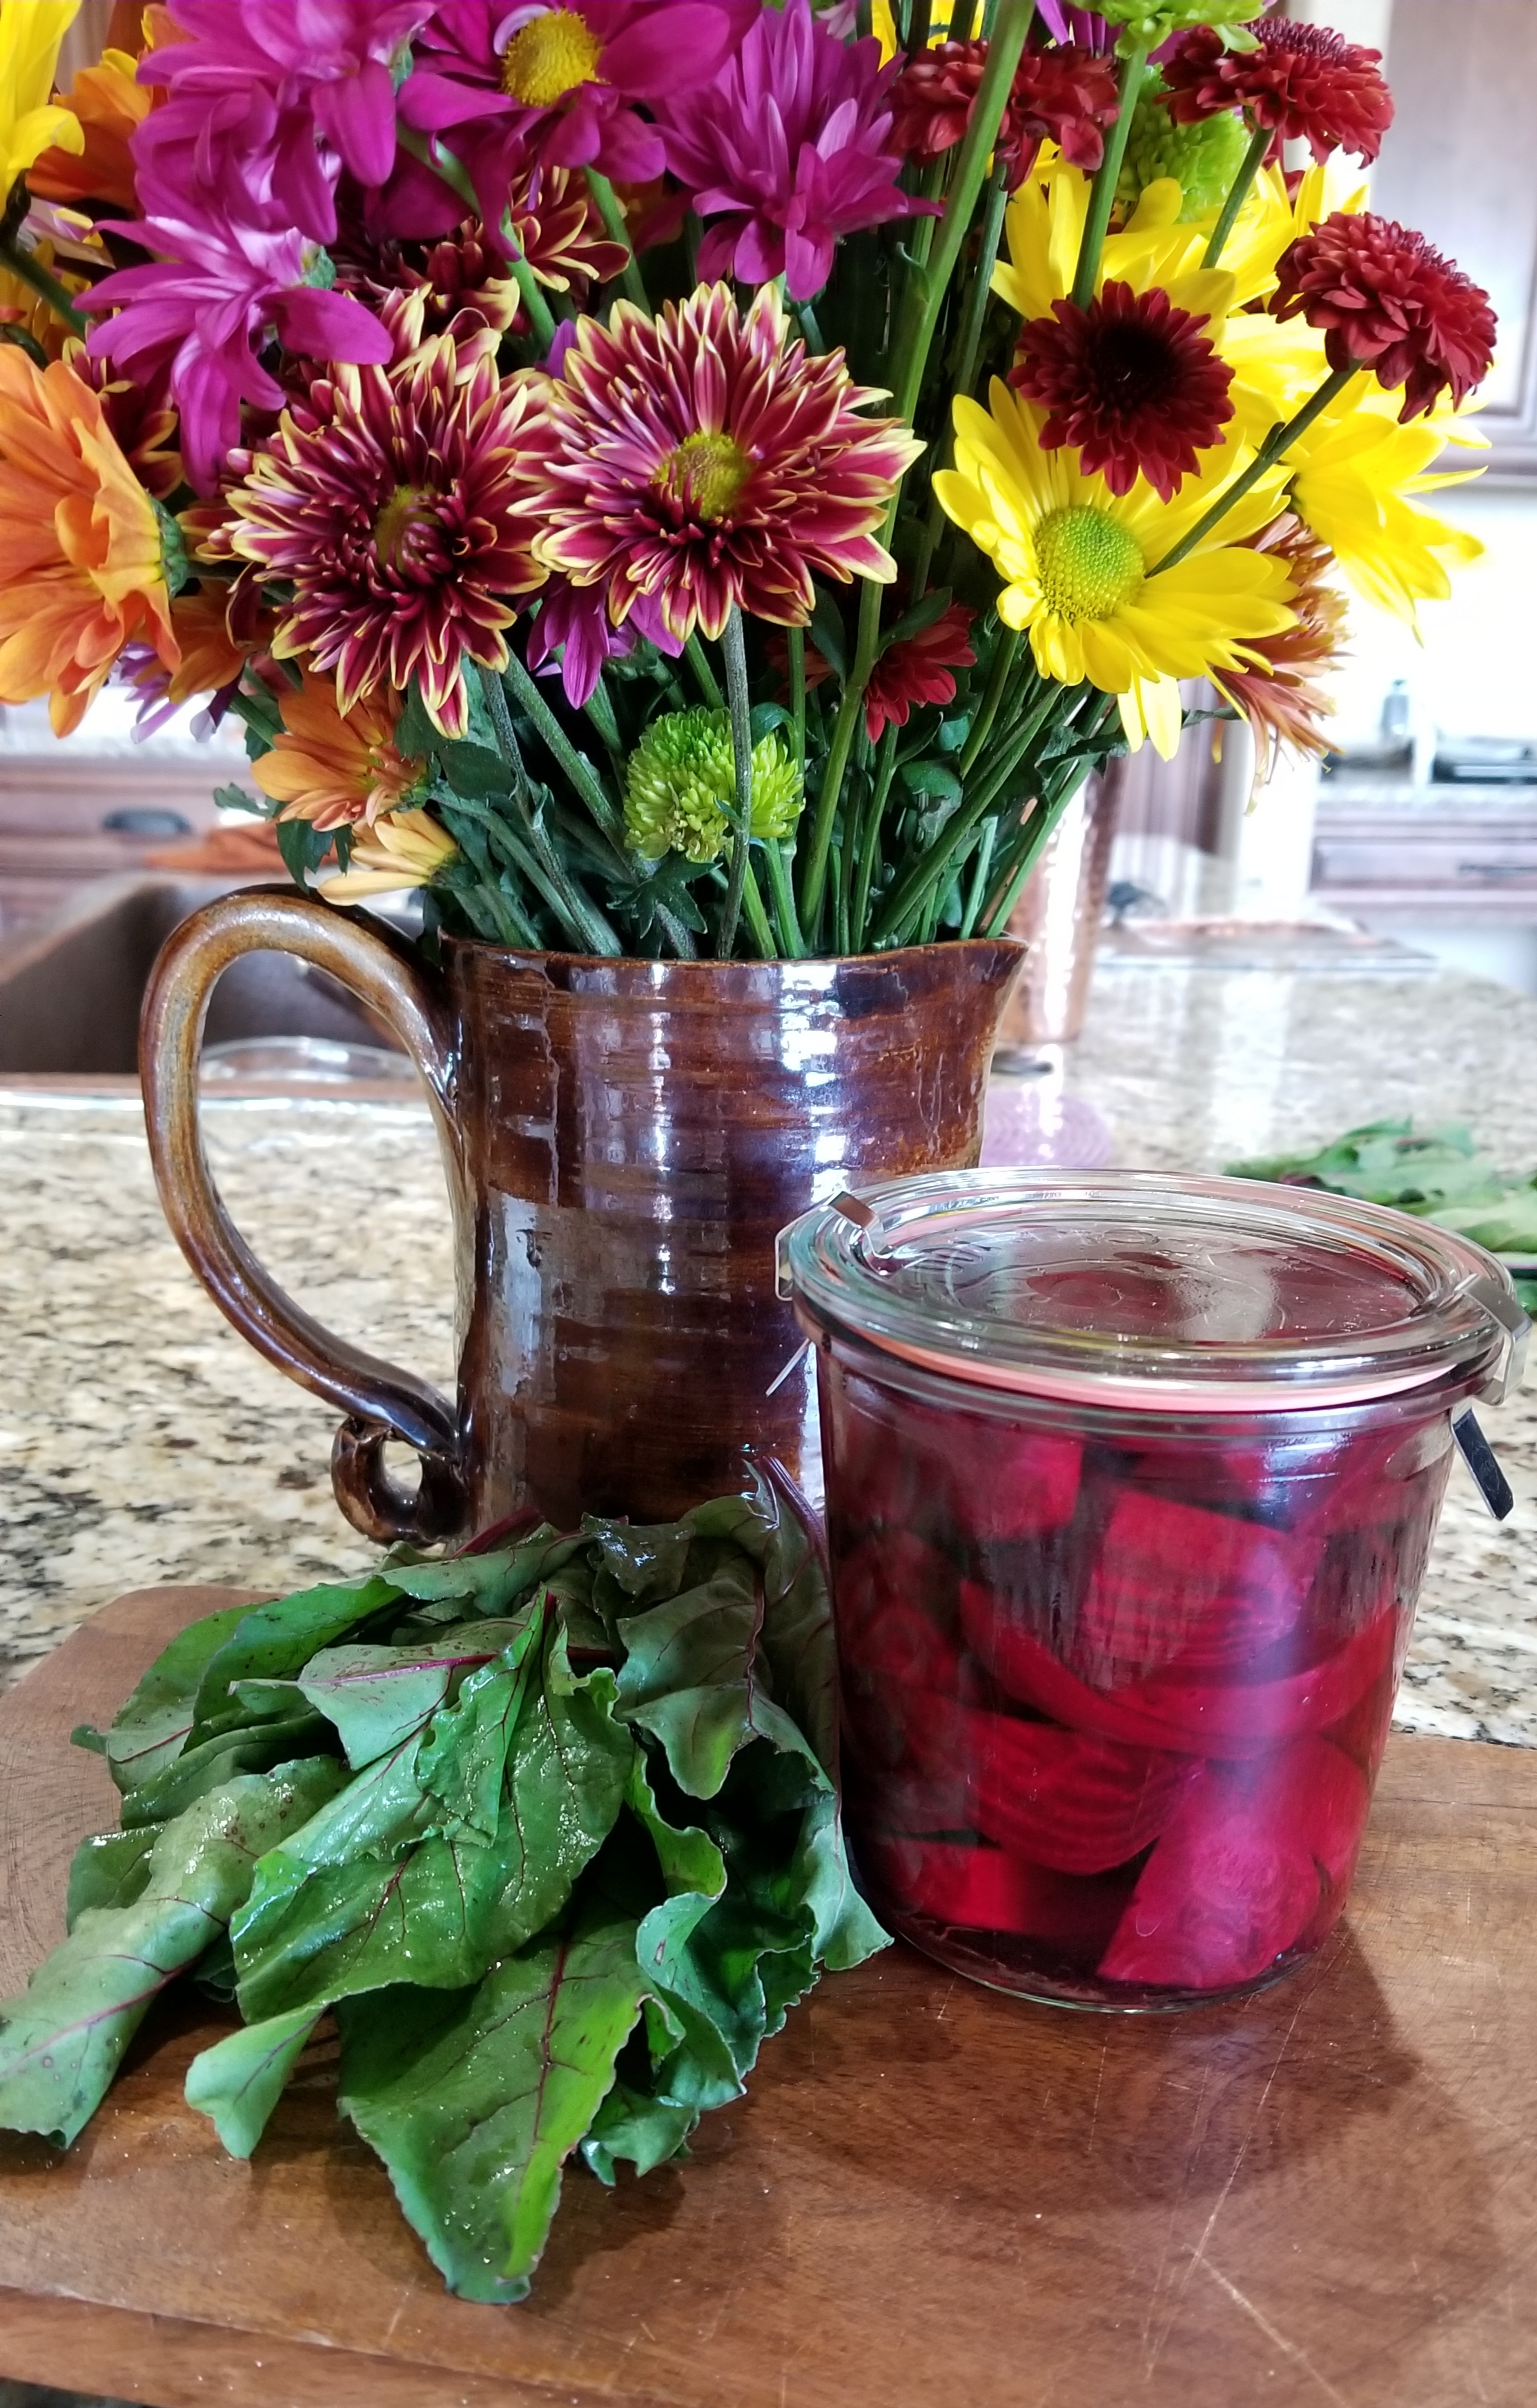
(475,2104)
(62,2038)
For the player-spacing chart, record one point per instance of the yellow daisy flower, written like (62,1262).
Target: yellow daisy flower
(30,33)
(1356,475)
(883,25)
(1077,564)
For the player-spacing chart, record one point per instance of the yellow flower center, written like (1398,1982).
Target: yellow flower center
(704,475)
(1089,564)
(394,529)
(550,57)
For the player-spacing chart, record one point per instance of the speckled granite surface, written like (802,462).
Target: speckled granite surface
(140,1440)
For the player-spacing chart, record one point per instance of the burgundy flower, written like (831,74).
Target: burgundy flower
(561,81)
(790,147)
(1384,300)
(319,70)
(224,280)
(574,622)
(1306,83)
(917,669)
(700,461)
(1065,95)
(1131,383)
(392,509)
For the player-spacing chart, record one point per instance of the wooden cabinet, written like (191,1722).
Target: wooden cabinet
(1383,851)
(1461,164)
(70,817)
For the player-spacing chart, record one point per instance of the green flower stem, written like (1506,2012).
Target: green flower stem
(791,944)
(1252,160)
(1274,447)
(583,778)
(885,768)
(918,26)
(1102,192)
(48,288)
(978,888)
(442,161)
(1027,848)
(709,684)
(758,926)
(1005,652)
(613,218)
(740,703)
(599,712)
(926,300)
(795,643)
(546,868)
(966,363)
(960,20)
(929,871)
(678,937)
(810,332)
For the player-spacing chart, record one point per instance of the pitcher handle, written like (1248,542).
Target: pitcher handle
(380,1402)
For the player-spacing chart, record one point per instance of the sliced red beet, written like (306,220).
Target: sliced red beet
(987,1889)
(890,1470)
(1236,1878)
(1233,1718)
(1223,1895)
(1362,1733)
(1076,1803)
(1172,1580)
(890,1573)
(1012,1483)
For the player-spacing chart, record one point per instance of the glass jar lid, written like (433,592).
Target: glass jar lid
(1134,1288)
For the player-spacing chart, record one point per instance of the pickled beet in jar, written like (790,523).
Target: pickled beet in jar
(1131,1487)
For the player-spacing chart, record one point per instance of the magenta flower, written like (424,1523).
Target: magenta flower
(324,67)
(223,280)
(790,147)
(574,620)
(563,81)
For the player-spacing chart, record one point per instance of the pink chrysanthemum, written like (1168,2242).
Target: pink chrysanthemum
(573,622)
(317,72)
(790,147)
(225,278)
(701,461)
(392,509)
(1131,383)
(561,81)
(1384,300)
(1306,83)
(917,669)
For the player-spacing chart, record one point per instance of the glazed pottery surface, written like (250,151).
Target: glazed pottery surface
(624,1139)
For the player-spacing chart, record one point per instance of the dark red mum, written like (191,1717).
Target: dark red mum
(917,670)
(1306,83)
(1131,383)
(1386,300)
(1065,95)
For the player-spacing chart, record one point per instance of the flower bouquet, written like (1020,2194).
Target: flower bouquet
(701,478)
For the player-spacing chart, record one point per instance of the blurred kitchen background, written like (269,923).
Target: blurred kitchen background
(1420,831)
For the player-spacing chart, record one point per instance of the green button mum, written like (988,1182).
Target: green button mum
(1148,23)
(681,780)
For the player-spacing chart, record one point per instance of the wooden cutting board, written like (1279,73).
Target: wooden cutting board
(931,2194)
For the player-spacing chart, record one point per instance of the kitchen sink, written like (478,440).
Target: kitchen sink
(70,994)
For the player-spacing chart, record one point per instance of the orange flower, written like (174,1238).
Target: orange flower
(109,108)
(210,656)
(331,771)
(80,566)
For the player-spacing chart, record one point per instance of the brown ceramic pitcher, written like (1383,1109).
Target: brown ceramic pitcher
(623,1140)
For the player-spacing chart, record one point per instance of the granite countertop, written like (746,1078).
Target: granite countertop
(141,1440)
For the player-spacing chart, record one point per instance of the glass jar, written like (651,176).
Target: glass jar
(1130,1487)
